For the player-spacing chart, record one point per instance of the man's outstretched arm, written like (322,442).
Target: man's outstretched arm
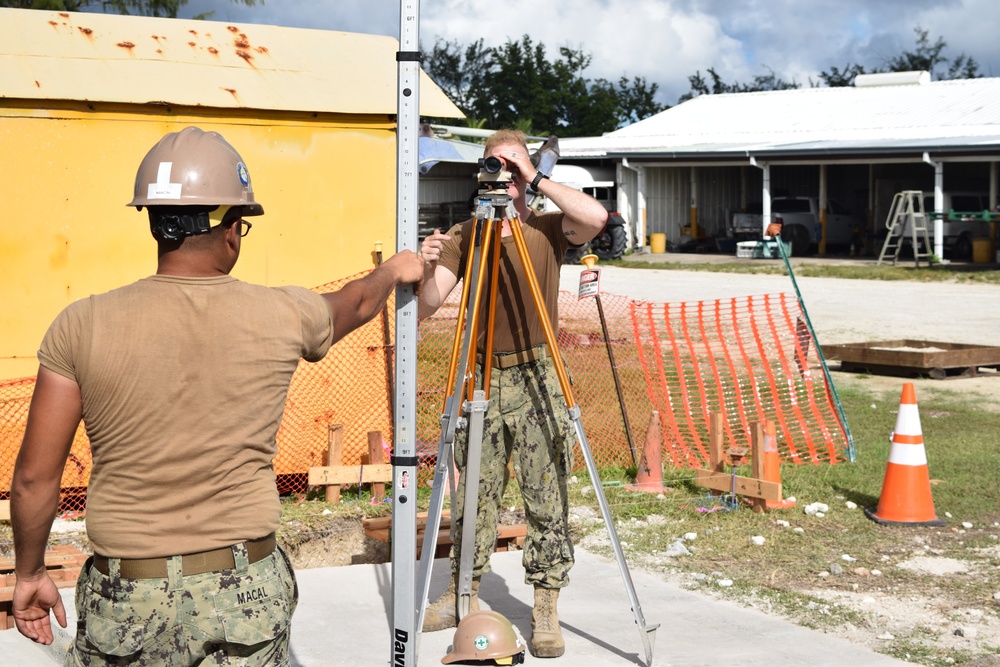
(360,300)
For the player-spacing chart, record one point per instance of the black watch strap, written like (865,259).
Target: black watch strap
(537,179)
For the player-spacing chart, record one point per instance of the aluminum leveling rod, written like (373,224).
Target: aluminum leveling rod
(646,632)
(402,640)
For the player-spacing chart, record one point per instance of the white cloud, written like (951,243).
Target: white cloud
(668,40)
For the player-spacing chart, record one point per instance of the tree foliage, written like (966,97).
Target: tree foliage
(925,56)
(518,85)
(161,8)
(768,81)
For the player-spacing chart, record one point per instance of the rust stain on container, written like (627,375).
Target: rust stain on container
(214,51)
(60,256)
(126,45)
(87,32)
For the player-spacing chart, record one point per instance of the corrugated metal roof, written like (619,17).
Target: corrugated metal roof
(144,60)
(907,117)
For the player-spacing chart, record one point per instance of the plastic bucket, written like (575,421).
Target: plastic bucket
(658,243)
(981,251)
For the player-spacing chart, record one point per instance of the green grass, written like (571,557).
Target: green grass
(960,441)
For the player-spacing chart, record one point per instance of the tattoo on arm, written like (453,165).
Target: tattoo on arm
(569,232)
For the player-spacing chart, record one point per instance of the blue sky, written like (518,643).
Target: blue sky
(665,41)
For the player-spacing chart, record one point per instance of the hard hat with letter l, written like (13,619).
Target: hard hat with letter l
(197,170)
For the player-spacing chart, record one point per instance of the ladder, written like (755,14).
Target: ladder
(906,214)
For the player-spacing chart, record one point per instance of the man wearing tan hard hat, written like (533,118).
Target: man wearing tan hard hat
(180,379)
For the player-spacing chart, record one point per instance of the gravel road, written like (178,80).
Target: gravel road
(841,311)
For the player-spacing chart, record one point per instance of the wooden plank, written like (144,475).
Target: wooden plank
(380,529)
(511,531)
(914,354)
(326,475)
(4,510)
(745,486)
(379,522)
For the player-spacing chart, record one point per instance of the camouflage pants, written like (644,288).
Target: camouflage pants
(232,617)
(527,423)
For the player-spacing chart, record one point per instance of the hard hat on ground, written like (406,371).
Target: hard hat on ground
(486,635)
(194,168)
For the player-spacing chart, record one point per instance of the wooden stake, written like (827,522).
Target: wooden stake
(757,461)
(716,463)
(334,457)
(376,457)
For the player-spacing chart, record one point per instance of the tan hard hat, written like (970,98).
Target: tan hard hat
(486,635)
(194,168)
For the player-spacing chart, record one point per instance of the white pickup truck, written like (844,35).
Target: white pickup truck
(800,223)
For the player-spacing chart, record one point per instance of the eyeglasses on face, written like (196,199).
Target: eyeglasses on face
(244,227)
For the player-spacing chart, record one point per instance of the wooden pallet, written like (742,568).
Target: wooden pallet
(914,358)
(63,563)
(509,537)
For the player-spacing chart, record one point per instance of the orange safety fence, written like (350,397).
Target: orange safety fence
(751,357)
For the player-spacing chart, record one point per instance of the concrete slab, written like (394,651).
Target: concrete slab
(344,616)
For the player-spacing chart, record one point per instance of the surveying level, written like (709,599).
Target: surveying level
(493,205)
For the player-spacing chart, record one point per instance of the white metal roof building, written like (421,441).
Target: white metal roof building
(692,165)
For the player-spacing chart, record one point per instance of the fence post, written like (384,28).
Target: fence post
(334,457)
(375,457)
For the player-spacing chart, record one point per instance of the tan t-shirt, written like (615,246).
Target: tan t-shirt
(183,383)
(517,325)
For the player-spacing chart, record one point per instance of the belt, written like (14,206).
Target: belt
(510,359)
(191,564)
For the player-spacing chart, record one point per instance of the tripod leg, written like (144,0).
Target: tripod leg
(457,374)
(441,478)
(477,410)
(646,632)
(472,288)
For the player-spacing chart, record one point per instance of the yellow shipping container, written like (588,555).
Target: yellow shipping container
(84,96)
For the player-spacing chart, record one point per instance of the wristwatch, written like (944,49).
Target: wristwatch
(537,179)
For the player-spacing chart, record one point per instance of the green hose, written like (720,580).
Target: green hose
(852,454)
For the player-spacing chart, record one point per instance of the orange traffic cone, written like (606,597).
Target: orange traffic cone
(772,465)
(649,476)
(906,491)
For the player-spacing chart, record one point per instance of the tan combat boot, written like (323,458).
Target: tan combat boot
(546,636)
(443,612)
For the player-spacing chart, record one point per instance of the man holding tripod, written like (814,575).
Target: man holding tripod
(527,421)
